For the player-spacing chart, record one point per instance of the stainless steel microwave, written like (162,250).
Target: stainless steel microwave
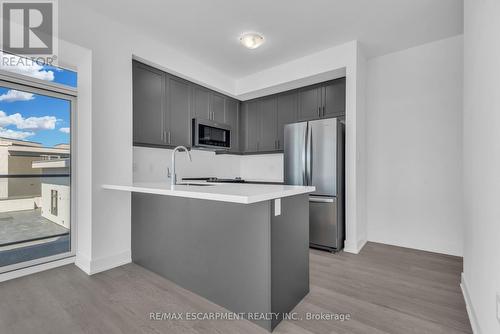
(210,134)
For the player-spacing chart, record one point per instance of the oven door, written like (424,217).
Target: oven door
(211,134)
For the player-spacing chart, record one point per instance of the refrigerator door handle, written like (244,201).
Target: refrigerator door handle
(308,155)
(304,157)
(321,199)
(310,149)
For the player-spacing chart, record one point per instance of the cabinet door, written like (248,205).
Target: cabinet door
(251,124)
(334,99)
(286,114)
(309,103)
(148,105)
(217,107)
(232,118)
(200,106)
(178,111)
(268,125)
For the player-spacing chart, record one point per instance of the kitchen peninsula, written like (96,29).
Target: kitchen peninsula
(242,246)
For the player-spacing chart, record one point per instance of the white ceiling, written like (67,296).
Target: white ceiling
(208,30)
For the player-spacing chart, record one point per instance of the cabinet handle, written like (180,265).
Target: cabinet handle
(319,111)
(323,111)
(169,137)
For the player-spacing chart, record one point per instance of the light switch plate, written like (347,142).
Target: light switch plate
(498,307)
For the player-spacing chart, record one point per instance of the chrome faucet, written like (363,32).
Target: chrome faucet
(173,176)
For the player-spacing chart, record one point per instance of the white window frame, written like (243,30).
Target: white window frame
(37,86)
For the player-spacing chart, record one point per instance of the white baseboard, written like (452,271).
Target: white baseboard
(470,308)
(35,269)
(83,263)
(442,248)
(356,248)
(91,267)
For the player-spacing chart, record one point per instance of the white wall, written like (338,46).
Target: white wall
(481,150)
(414,104)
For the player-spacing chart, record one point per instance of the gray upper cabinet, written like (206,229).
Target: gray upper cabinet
(268,125)
(322,101)
(207,104)
(251,125)
(264,119)
(163,106)
(334,99)
(309,103)
(200,107)
(286,108)
(231,117)
(178,98)
(217,105)
(148,105)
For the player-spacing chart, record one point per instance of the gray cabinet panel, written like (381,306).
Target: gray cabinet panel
(178,110)
(286,114)
(309,103)
(148,104)
(217,107)
(252,125)
(268,125)
(232,118)
(200,106)
(334,99)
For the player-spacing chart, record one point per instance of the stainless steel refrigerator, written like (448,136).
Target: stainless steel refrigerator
(314,155)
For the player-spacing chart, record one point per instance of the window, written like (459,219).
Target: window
(35,170)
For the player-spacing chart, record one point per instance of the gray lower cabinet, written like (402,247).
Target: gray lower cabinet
(177,115)
(286,112)
(232,118)
(148,105)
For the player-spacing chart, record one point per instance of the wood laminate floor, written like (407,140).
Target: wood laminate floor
(385,289)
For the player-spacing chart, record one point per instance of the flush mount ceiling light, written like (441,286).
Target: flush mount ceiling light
(251,40)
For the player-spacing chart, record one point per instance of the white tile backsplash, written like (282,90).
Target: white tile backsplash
(150,164)
(266,167)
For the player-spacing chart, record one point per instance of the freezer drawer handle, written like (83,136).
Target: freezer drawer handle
(321,200)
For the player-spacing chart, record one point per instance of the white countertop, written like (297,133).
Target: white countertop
(224,192)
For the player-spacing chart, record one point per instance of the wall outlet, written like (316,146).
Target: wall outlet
(498,307)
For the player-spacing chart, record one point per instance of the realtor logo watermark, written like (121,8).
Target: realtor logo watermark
(29,29)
